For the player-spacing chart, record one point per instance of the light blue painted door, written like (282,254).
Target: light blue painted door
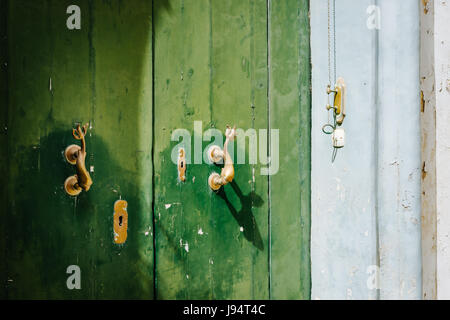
(366,205)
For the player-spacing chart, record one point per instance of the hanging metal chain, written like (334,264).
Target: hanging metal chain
(330,127)
(329,43)
(334,39)
(331,19)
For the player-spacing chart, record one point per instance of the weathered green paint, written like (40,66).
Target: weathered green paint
(215,72)
(102,74)
(213,61)
(211,65)
(290,112)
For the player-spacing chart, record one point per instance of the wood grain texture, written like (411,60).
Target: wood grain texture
(290,113)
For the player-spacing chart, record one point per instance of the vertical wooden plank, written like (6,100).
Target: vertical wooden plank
(45,232)
(100,74)
(399,168)
(428,156)
(442,65)
(121,119)
(239,61)
(209,245)
(434,76)
(343,217)
(3,143)
(290,113)
(182,210)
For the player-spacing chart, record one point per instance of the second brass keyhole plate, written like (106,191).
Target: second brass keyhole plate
(182,165)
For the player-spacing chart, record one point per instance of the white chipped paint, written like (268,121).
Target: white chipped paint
(442,64)
(184,245)
(435,79)
(428,124)
(349,294)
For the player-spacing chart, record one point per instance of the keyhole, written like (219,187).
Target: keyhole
(120,220)
(181,164)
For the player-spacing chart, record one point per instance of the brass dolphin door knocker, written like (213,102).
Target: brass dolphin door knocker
(76,155)
(216,155)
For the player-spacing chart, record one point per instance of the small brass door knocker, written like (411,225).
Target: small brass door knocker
(335,129)
(76,155)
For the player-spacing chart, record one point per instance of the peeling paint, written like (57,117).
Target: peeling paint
(422,102)
(424,171)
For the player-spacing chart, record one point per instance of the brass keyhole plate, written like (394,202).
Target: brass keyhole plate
(120,221)
(182,165)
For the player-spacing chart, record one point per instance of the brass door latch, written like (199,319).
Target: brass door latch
(338,109)
(339,100)
(76,155)
(216,155)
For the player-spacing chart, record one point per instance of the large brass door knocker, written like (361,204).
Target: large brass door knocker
(76,155)
(216,155)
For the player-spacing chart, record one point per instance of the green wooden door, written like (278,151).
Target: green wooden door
(212,59)
(137,71)
(58,77)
